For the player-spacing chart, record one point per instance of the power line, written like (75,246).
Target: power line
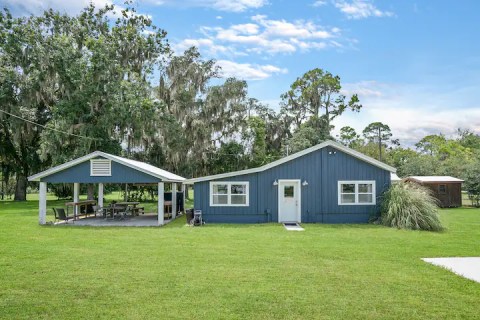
(48,128)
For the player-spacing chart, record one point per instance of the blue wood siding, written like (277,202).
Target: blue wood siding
(81,174)
(322,169)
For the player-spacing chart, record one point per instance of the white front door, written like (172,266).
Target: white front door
(289,201)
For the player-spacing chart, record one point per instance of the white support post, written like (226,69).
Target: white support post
(174,200)
(76,192)
(184,195)
(42,204)
(160,209)
(100,195)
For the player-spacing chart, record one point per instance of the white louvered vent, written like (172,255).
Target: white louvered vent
(100,167)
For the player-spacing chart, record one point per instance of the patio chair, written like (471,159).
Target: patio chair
(99,210)
(120,212)
(89,210)
(60,215)
(109,211)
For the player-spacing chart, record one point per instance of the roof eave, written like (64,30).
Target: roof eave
(66,165)
(40,175)
(163,178)
(322,145)
(434,181)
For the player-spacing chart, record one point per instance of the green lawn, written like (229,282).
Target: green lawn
(232,271)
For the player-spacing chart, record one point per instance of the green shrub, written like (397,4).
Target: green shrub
(62,190)
(410,206)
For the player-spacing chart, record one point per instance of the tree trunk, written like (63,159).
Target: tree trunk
(379,145)
(90,192)
(21,188)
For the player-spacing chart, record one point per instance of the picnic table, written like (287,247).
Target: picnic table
(123,208)
(79,205)
(136,210)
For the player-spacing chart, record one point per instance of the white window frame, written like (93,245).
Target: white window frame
(229,193)
(92,161)
(356,183)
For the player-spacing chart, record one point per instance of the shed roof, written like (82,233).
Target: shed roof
(434,179)
(394,177)
(324,144)
(138,165)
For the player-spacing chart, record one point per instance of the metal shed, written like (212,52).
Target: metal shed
(448,190)
(100,168)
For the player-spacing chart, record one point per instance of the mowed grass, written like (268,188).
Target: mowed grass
(232,271)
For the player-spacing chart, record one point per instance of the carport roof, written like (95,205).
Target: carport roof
(137,165)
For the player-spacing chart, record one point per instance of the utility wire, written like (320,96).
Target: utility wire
(48,128)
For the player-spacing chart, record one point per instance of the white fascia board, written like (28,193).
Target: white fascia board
(130,165)
(106,155)
(38,176)
(148,168)
(66,165)
(363,157)
(327,143)
(223,175)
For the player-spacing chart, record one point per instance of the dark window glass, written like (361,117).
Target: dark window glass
(220,189)
(239,189)
(348,188)
(442,188)
(288,192)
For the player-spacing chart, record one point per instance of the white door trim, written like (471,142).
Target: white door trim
(298,193)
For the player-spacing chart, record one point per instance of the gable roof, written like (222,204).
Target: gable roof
(434,179)
(328,143)
(137,165)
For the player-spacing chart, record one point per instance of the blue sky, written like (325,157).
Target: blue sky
(414,64)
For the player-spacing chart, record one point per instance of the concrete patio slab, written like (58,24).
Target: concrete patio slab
(468,267)
(147,220)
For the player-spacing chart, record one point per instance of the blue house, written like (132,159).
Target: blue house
(327,183)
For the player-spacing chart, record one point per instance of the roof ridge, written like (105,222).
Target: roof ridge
(293,156)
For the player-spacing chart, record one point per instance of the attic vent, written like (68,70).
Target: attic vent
(100,167)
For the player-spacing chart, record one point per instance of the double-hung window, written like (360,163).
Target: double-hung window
(224,193)
(356,192)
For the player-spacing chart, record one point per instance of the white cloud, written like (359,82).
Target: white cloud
(204,45)
(364,89)
(247,28)
(220,5)
(248,71)
(22,7)
(299,29)
(411,111)
(237,5)
(361,9)
(26,7)
(319,3)
(264,35)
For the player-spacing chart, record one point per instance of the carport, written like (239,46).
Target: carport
(101,168)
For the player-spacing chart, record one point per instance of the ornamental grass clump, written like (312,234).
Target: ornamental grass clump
(410,206)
